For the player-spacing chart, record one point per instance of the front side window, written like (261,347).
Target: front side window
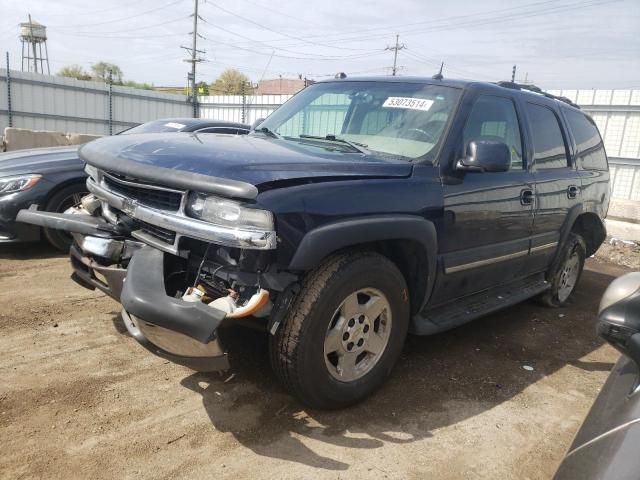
(405,120)
(550,150)
(588,140)
(494,119)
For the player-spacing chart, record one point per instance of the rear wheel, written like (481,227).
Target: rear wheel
(59,202)
(345,331)
(565,279)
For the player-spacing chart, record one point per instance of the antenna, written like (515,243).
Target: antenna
(438,76)
(513,74)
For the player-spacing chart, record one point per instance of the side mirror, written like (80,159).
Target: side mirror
(485,156)
(256,123)
(619,315)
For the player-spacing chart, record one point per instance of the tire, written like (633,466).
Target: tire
(362,282)
(59,202)
(567,276)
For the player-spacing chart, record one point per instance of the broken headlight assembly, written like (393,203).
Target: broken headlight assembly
(242,227)
(18,183)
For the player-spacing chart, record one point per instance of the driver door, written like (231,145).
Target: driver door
(487,222)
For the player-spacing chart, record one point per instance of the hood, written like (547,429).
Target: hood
(193,161)
(40,160)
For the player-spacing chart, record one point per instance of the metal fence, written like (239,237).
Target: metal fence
(240,108)
(617,114)
(43,102)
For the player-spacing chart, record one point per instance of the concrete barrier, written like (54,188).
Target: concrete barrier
(21,138)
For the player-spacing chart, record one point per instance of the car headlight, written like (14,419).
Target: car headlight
(18,183)
(228,213)
(91,171)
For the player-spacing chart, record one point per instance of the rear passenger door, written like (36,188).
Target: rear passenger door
(557,186)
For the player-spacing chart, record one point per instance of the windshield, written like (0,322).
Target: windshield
(156,126)
(398,119)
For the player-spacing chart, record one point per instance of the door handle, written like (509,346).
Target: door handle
(526,197)
(572,191)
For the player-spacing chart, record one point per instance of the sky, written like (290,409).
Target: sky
(554,43)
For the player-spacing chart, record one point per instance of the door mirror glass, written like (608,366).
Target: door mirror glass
(485,156)
(256,123)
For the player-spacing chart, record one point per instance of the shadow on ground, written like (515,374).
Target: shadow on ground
(439,380)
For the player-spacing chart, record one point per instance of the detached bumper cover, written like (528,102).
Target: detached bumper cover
(182,332)
(145,297)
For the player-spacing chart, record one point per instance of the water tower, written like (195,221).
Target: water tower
(33,35)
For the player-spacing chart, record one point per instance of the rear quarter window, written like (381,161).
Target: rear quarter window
(591,154)
(548,142)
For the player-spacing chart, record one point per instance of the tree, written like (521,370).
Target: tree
(101,72)
(230,82)
(74,71)
(202,88)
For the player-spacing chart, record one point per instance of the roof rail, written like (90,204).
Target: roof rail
(534,89)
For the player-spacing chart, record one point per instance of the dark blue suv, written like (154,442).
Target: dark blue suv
(359,211)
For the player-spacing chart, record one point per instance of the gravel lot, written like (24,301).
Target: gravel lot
(80,399)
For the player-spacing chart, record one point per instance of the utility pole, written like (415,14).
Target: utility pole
(194,59)
(395,49)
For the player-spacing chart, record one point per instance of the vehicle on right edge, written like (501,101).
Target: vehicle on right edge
(362,209)
(606,446)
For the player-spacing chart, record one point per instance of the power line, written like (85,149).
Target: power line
(115,20)
(253,22)
(474,20)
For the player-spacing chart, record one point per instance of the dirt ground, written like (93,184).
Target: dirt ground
(80,399)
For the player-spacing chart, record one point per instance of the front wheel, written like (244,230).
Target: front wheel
(565,279)
(345,331)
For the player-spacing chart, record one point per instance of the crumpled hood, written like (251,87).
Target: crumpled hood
(249,160)
(39,160)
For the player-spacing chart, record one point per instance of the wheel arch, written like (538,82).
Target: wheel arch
(410,242)
(67,182)
(592,229)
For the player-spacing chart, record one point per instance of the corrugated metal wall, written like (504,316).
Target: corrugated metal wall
(232,108)
(43,102)
(617,114)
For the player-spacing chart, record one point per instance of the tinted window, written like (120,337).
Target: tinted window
(494,118)
(548,143)
(588,140)
(388,118)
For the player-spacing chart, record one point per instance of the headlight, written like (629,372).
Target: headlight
(91,171)
(18,183)
(228,213)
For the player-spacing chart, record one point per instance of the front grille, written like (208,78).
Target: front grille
(162,234)
(151,197)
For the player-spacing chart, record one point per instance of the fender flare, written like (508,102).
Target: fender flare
(326,239)
(574,213)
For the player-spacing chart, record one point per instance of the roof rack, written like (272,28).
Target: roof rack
(534,89)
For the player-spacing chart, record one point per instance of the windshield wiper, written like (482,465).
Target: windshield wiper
(268,132)
(359,147)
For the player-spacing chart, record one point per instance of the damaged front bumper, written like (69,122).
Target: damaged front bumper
(180,331)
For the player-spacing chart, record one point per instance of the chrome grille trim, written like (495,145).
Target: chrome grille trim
(180,223)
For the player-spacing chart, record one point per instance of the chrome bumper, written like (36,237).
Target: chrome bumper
(175,347)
